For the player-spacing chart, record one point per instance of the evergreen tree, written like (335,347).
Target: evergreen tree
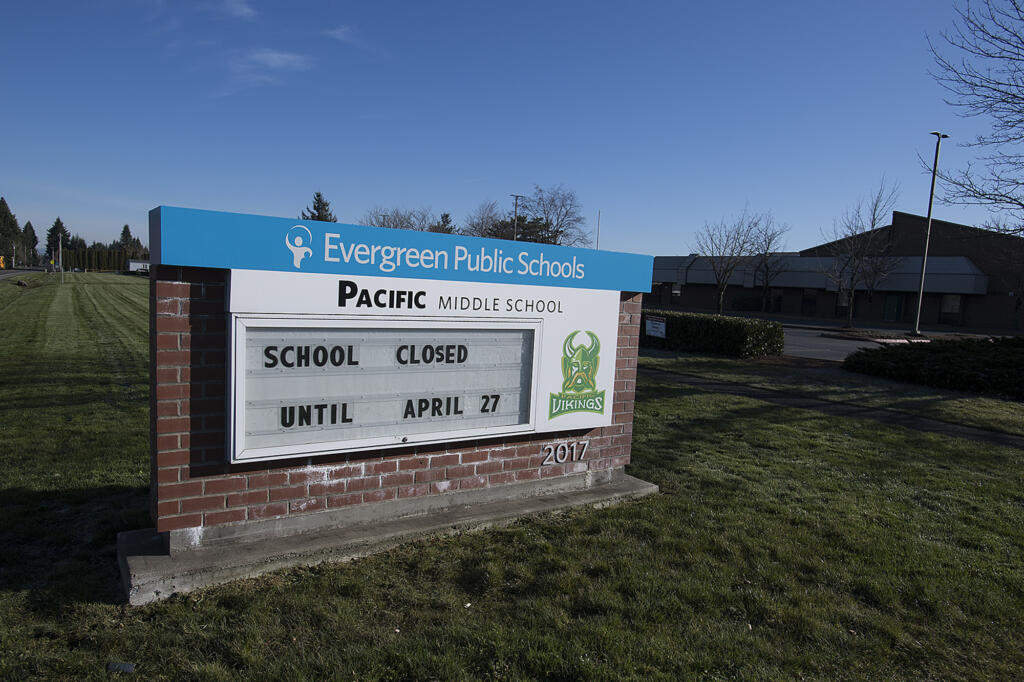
(125,241)
(444,225)
(29,242)
(10,233)
(321,210)
(527,230)
(53,238)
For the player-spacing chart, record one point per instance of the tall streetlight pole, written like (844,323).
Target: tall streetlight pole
(939,137)
(515,216)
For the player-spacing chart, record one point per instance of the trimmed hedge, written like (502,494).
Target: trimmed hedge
(735,336)
(993,366)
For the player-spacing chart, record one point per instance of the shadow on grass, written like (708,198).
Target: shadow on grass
(52,383)
(59,546)
(750,423)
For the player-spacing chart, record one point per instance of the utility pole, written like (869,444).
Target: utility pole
(939,137)
(515,216)
(597,246)
(60,253)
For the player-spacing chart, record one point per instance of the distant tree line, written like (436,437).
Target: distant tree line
(23,244)
(15,241)
(551,215)
(96,256)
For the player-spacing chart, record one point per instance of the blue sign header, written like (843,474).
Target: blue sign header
(212,239)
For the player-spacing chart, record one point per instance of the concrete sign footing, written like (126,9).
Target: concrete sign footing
(151,572)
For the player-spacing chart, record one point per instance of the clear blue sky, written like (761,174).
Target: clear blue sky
(663,115)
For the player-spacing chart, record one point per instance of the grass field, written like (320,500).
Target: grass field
(784,544)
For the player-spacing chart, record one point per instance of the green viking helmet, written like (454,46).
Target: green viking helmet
(579,364)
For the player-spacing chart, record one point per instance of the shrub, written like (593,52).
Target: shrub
(978,365)
(736,336)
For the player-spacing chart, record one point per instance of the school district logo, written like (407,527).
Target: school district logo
(298,244)
(579,373)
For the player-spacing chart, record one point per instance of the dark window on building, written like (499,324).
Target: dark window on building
(893,308)
(950,310)
(809,304)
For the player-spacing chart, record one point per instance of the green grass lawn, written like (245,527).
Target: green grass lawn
(784,544)
(828,381)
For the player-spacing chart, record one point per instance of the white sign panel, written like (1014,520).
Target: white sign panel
(323,363)
(332,381)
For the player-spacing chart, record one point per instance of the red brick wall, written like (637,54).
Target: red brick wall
(193,485)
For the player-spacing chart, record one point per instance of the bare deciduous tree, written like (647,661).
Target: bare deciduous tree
(767,242)
(482,221)
(560,212)
(548,216)
(985,77)
(727,245)
(861,252)
(400,219)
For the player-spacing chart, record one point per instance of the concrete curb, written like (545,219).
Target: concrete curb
(902,340)
(150,573)
(880,340)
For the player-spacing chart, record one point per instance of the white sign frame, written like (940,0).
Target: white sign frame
(236,430)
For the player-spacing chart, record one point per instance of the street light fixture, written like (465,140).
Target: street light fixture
(515,216)
(939,137)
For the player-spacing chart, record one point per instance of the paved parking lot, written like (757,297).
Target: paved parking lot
(809,343)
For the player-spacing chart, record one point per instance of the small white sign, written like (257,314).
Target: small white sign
(654,326)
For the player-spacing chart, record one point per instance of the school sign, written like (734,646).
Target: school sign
(309,375)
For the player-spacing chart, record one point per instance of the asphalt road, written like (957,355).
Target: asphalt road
(809,343)
(4,274)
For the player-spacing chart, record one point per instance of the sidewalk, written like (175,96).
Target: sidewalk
(832,324)
(838,409)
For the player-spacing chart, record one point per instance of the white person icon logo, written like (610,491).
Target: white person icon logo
(296,243)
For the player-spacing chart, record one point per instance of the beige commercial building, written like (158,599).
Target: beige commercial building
(974,280)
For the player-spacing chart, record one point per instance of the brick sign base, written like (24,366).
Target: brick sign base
(199,499)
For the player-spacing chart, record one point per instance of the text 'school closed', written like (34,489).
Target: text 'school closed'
(337,356)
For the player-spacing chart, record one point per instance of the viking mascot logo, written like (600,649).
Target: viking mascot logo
(579,373)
